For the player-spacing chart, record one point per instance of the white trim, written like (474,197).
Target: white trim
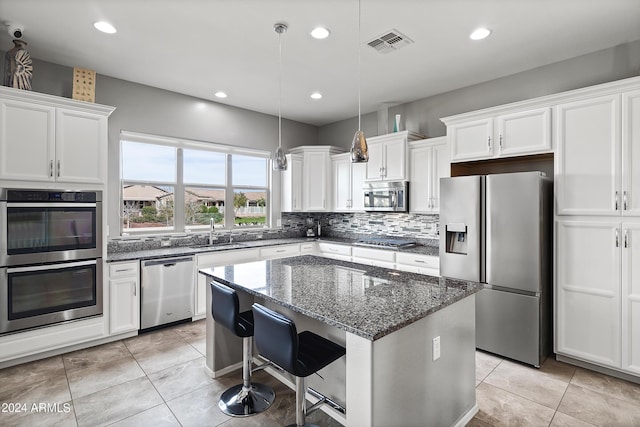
(55,101)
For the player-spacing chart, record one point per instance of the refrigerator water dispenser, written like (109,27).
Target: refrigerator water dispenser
(456,238)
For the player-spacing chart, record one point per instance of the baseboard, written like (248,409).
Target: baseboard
(464,420)
(601,369)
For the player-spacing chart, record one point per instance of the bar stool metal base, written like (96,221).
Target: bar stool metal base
(240,401)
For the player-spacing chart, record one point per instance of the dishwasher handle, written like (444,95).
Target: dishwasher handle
(166,262)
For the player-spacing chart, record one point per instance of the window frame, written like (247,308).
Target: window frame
(179,226)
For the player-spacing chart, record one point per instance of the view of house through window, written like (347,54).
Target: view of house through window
(180,186)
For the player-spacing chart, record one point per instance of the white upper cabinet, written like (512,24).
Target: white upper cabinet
(317,189)
(292,184)
(48,138)
(347,183)
(630,202)
(429,161)
(505,135)
(388,156)
(588,160)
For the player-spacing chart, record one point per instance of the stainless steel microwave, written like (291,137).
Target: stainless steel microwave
(390,196)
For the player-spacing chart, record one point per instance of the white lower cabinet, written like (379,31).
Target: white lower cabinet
(280,251)
(214,259)
(308,248)
(124,297)
(597,293)
(417,263)
(334,251)
(374,257)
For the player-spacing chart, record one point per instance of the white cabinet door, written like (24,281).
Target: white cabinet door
(631,298)
(375,164)
(429,161)
(279,251)
(316,179)
(588,157)
(471,140)
(292,184)
(124,297)
(341,167)
(525,132)
(80,147)
(27,140)
(395,160)
(588,291)
(631,153)
(358,172)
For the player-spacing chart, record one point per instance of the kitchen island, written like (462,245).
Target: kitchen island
(410,338)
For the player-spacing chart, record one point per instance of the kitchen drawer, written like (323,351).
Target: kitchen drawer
(425,261)
(307,248)
(227,257)
(374,255)
(374,262)
(123,269)
(279,251)
(333,249)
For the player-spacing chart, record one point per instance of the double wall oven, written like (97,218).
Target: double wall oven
(50,257)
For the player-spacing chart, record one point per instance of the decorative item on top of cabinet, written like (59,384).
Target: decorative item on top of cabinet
(429,161)
(316,176)
(388,156)
(474,136)
(84,84)
(18,66)
(51,139)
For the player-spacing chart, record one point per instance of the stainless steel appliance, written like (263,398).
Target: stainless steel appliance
(496,229)
(167,291)
(386,196)
(50,257)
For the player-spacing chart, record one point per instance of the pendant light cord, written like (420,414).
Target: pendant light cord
(280,89)
(359,67)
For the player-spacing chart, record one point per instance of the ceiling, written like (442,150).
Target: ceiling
(197,47)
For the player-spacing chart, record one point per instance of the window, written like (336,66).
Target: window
(175,185)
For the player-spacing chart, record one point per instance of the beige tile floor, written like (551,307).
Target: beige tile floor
(157,379)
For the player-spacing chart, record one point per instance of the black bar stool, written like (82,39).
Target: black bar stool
(300,354)
(247,398)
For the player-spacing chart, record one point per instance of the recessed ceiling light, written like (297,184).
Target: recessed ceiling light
(320,33)
(480,33)
(316,95)
(105,27)
(220,94)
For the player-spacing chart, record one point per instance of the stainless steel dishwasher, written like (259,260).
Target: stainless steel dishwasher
(167,291)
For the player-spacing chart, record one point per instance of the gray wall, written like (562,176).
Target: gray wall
(145,109)
(424,115)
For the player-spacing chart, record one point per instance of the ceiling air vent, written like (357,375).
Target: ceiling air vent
(389,41)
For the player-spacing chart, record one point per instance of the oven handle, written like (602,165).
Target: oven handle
(51,266)
(52,205)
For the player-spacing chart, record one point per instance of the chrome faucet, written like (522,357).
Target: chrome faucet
(211,230)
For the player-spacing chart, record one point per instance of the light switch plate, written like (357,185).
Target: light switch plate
(435,347)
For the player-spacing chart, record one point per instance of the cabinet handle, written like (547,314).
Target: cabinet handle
(616,201)
(58,168)
(280,250)
(617,239)
(500,142)
(624,200)
(51,168)
(419,260)
(489,142)
(134,289)
(626,238)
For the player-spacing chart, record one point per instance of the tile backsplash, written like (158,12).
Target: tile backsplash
(421,228)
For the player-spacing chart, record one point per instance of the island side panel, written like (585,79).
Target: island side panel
(410,388)
(359,381)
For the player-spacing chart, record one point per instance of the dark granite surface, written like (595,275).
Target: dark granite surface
(191,250)
(367,301)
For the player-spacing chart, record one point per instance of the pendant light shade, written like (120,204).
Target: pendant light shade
(278,159)
(359,148)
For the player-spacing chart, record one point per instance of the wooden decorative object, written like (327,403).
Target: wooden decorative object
(84,84)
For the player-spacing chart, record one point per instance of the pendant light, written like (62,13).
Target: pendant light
(359,148)
(279,160)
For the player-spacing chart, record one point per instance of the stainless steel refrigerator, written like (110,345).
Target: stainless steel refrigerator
(496,229)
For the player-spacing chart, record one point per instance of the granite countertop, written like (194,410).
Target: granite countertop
(192,250)
(367,301)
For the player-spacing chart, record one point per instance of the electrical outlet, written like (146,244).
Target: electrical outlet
(278,223)
(165,243)
(435,347)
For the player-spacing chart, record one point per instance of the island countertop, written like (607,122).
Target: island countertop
(367,301)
